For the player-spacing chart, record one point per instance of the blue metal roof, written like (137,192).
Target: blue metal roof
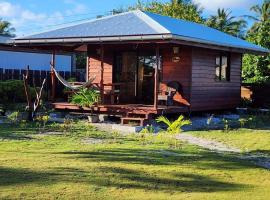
(116,25)
(147,25)
(201,32)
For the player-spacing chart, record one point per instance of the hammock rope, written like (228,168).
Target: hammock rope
(69,85)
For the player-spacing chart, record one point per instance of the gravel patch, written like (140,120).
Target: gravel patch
(49,133)
(212,145)
(93,141)
(261,160)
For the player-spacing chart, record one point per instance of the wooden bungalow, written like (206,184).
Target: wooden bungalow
(148,64)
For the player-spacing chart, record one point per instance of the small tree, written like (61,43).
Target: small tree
(174,127)
(32,107)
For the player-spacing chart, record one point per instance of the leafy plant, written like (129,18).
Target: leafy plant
(43,119)
(242,122)
(148,129)
(13,117)
(115,135)
(85,97)
(174,126)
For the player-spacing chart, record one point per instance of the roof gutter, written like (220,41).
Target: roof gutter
(94,39)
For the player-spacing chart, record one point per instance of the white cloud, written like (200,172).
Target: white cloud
(7,9)
(26,21)
(77,9)
(213,5)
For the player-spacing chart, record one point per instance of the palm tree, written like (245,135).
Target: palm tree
(5,28)
(224,22)
(262,15)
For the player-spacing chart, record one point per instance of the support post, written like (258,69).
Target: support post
(156,78)
(102,73)
(53,81)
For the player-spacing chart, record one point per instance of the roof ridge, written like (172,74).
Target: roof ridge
(151,22)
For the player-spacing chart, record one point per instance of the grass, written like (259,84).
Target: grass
(248,140)
(34,166)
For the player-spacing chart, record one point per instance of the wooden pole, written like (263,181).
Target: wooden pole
(53,77)
(102,74)
(28,94)
(156,78)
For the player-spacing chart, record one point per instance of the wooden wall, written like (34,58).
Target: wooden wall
(206,92)
(195,71)
(178,71)
(172,71)
(94,64)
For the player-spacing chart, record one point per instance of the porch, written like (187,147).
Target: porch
(127,112)
(137,81)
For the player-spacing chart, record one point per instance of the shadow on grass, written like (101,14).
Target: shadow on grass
(13,132)
(120,178)
(202,159)
(172,182)
(12,176)
(260,151)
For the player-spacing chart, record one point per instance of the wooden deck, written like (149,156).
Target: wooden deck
(122,110)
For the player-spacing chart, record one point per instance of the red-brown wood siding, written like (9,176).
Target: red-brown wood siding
(206,92)
(178,71)
(94,64)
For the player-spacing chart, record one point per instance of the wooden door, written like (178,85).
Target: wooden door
(125,72)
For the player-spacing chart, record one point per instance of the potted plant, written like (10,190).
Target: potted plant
(87,98)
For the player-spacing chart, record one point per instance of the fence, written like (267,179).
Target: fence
(36,77)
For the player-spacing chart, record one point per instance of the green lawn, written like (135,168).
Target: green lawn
(248,140)
(64,167)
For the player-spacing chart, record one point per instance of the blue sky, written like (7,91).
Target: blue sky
(31,16)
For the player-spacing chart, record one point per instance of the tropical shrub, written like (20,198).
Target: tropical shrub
(85,97)
(174,127)
(13,117)
(148,129)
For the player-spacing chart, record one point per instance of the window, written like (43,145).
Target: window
(223,67)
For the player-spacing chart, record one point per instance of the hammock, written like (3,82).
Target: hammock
(69,85)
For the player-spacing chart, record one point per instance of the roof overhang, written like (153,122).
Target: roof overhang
(151,38)
(93,39)
(220,46)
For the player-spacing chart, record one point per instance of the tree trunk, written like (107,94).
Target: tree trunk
(32,107)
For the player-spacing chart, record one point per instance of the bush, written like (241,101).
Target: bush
(85,97)
(12,91)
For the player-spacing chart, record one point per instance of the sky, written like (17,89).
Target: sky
(32,16)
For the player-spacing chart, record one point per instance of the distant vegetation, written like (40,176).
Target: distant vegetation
(6,29)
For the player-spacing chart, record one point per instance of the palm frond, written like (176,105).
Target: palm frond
(165,120)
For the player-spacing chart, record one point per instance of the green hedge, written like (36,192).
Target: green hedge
(12,91)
